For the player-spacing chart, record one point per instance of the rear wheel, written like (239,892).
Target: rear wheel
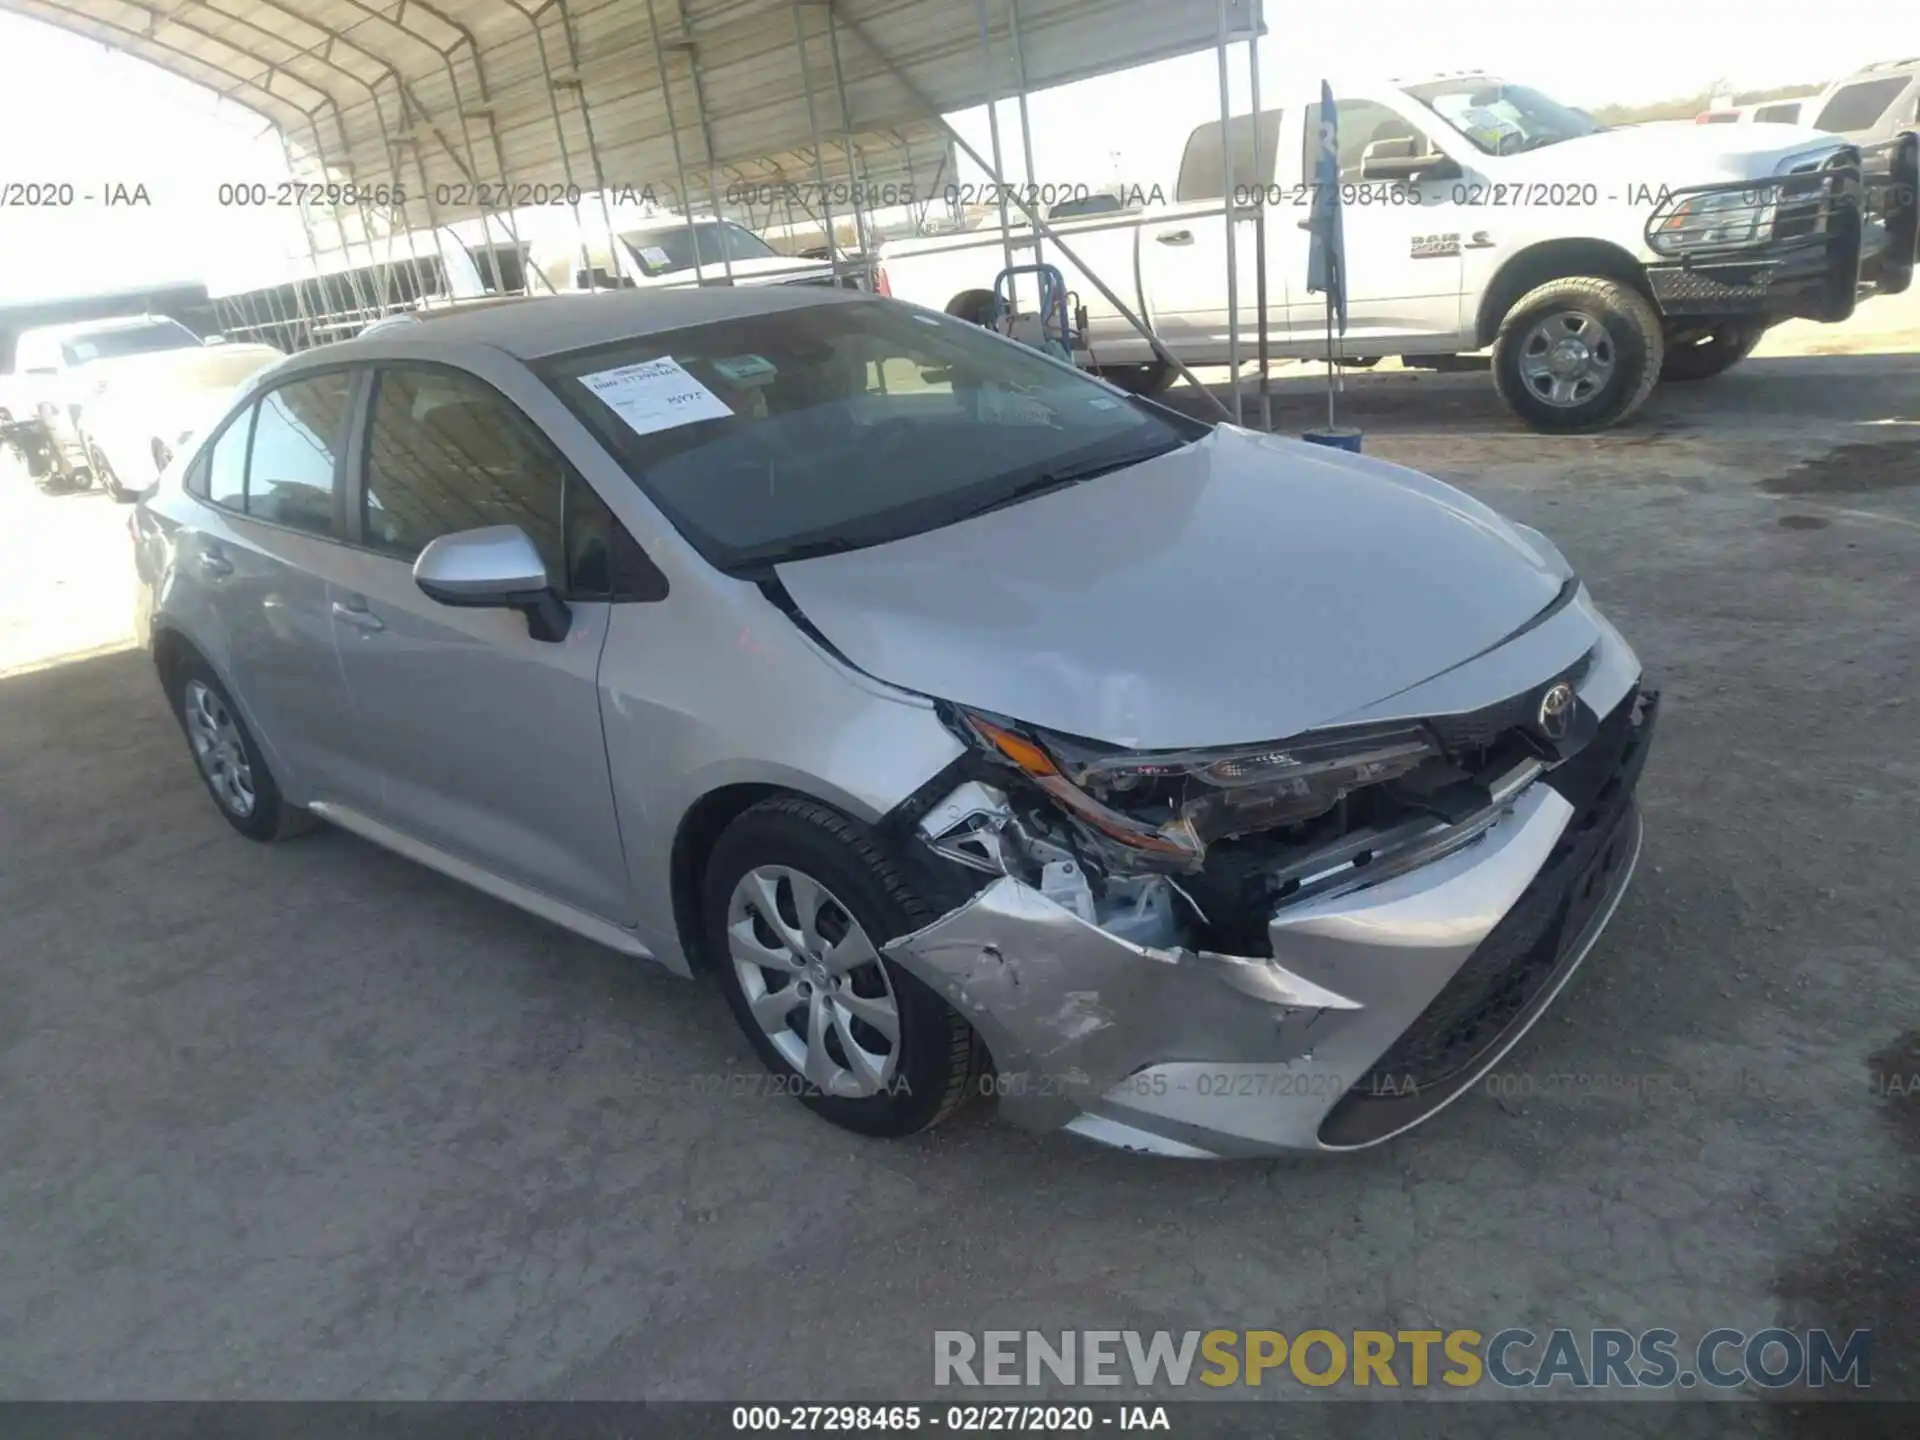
(798,903)
(1578,354)
(231,766)
(1700,355)
(108,479)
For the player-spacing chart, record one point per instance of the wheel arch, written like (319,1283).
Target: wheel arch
(699,830)
(1555,260)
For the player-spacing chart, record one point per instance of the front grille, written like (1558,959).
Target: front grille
(1509,969)
(1462,737)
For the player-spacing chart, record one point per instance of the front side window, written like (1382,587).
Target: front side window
(1362,123)
(296,442)
(1503,119)
(836,425)
(1860,106)
(445,453)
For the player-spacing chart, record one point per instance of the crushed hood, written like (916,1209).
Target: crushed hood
(1242,588)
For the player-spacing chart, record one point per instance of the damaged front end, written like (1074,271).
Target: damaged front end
(1277,915)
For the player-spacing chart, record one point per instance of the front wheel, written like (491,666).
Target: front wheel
(1578,354)
(798,901)
(1704,354)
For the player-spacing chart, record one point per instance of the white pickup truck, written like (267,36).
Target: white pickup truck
(1593,261)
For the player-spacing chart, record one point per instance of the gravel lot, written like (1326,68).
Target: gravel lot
(309,1121)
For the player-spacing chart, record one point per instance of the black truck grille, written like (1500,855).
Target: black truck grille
(1508,970)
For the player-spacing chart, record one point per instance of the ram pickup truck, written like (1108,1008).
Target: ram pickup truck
(1593,261)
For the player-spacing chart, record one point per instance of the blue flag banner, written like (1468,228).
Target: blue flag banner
(1327,252)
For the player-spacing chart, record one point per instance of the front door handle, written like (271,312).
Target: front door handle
(1176,237)
(357,616)
(214,565)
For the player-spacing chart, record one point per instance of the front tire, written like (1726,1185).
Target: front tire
(230,764)
(798,901)
(1701,357)
(1578,355)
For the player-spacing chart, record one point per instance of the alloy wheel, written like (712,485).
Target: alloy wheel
(814,982)
(218,747)
(1567,358)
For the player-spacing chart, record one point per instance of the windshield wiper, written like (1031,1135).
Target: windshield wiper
(1060,477)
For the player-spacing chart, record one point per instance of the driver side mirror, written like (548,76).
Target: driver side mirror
(1405,159)
(494,568)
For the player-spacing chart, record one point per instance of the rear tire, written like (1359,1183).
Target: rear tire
(1578,355)
(1714,353)
(227,758)
(791,876)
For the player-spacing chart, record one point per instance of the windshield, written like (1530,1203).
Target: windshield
(840,425)
(671,248)
(128,340)
(1503,119)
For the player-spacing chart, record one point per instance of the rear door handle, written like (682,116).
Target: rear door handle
(214,564)
(1176,237)
(357,616)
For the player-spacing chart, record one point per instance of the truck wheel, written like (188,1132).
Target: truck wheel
(1152,378)
(1578,354)
(1704,355)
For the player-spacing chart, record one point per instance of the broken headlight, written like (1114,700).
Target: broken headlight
(1170,806)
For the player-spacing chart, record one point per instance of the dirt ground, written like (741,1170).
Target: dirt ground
(309,1121)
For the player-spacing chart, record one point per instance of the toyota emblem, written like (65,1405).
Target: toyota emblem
(1556,711)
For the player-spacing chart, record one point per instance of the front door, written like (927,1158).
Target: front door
(488,741)
(1404,239)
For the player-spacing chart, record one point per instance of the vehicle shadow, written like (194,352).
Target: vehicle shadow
(1783,392)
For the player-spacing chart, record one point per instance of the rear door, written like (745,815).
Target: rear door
(259,566)
(488,743)
(1183,254)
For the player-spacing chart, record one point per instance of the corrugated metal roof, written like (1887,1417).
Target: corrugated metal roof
(474,104)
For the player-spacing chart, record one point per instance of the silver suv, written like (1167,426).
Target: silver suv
(1872,105)
(983,730)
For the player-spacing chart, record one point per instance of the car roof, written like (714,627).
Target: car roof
(549,325)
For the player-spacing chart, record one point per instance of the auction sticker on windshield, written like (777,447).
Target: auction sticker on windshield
(655,395)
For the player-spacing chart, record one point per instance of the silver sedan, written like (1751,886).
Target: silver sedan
(983,731)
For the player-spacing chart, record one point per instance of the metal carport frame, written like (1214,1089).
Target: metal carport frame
(817,88)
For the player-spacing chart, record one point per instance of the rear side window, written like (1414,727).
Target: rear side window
(1201,166)
(224,474)
(1777,114)
(296,445)
(1860,106)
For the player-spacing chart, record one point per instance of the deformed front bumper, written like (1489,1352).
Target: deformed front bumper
(1377,1008)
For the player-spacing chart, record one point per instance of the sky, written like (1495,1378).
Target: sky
(174,139)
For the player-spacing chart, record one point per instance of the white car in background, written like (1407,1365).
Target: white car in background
(120,396)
